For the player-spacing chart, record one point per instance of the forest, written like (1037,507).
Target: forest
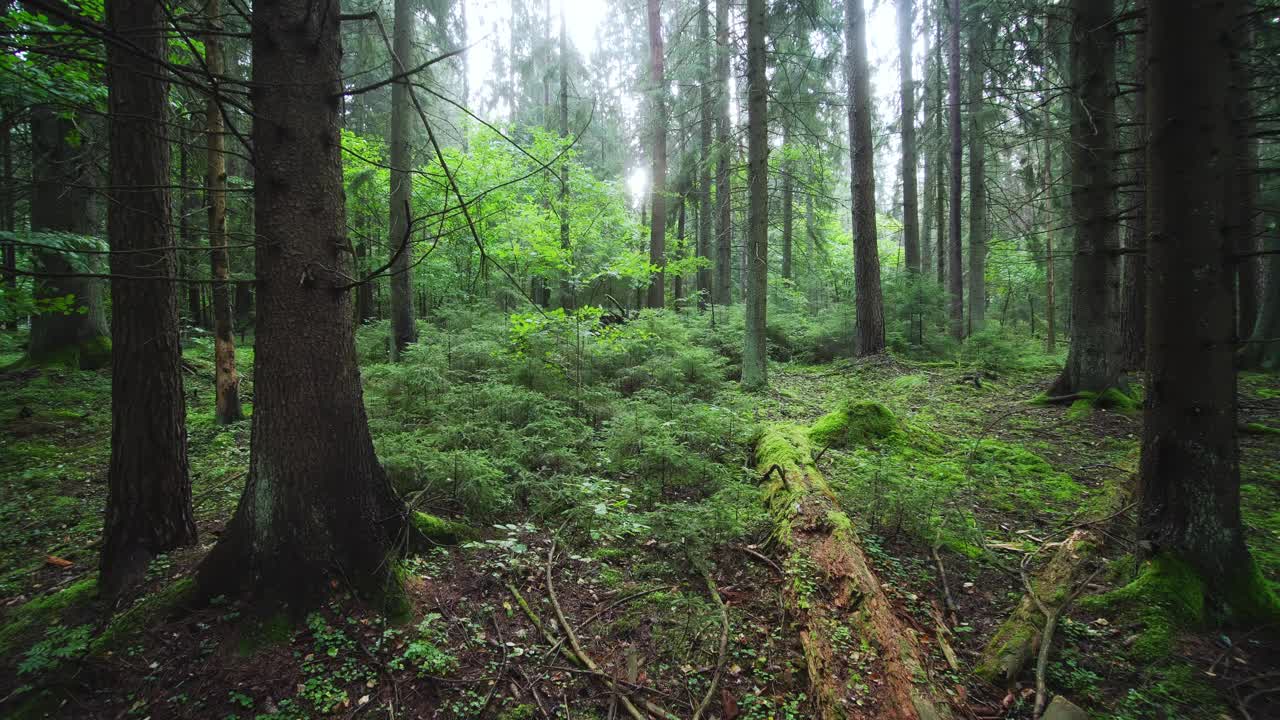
(640,359)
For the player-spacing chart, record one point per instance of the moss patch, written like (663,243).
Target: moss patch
(31,619)
(859,422)
(1255,428)
(146,612)
(441,531)
(1167,596)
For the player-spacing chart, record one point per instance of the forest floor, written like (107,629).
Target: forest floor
(613,525)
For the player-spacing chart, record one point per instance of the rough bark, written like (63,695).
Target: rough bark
(9,266)
(788,199)
(1243,183)
(62,201)
(226,381)
(403,329)
(868,300)
(724,201)
(1093,358)
(910,200)
(317,506)
(1133,310)
(823,549)
(1051,262)
(1262,351)
(1189,477)
(955,277)
(149,490)
(704,155)
(755,358)
(977,179)
(658,105)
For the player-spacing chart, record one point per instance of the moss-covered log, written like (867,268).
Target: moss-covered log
(830,586)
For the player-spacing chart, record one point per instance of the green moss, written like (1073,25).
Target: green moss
(519,712)
(441,531)
(145,613)
(1116,399)
(261,632)
(31,619)
(1248,598)
(855,423)
(89,354)
(1080,409)
(1167,596)
(1259,429)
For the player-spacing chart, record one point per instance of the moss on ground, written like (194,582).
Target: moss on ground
(1167,597)
(147,612)
(442,531)
(1256,428)
(30,620)
(857,422)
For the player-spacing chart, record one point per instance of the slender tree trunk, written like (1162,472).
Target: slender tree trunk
(1133,309)
(403,329)
(788,196)
(149,490)
(755,358)
(927,157)
(226,381)
(1189,476)
(677,280)
(658,228)
(977,180)
(568,299)
(1050,298)
(868,301)
(724,201)
(910,201)
(704,155)
(955,279)
(1262,351)
(317,507)
(1093,358)
(1244,181)
(10,259)
(940,144)
(187,258)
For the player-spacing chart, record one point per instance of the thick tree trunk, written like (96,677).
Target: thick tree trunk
(724,201)
(755,358)
(955,278)
(1093,358)
(868,300)
(658,229)
(820,540)
(1133,309)
(61,201)
(910,200)
(403,329)
(704,155)
(226,381)
(977,179)
(317,506)
(1189,479)
(149,491)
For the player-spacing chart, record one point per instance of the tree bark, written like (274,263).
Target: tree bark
(755,358)
(1244,181)
(1050,291)
(149,490)
(910,201)
(1133,310)
(1093,358)
(977,178)
(704,156)
(226,381)
(955,278)
(788,198)
(724,201)
(9,268)
(658,217)
(869,302)
(568,296)
(1189,476)
(404,331)
(317,506)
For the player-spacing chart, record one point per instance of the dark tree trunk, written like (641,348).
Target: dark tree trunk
(1133,285)
(568,299)
(404,331)
(188,259)
(1262,351)
(977,179)
(1051,262)
(1244,181)
(10,259)
(658,230)
(724,201)
(1189,477)
(149,491)
(955,278)
(910,201)
(704,155)
(244,305)
(755,357)
(62,201)
(868,300)
(1093,358)
(317,506)
(226,381)
(677,280)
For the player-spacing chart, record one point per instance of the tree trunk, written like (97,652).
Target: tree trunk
(788,197)
(869,302)
(149,490)
(658,217)
(724,201)
(677,280)
(1244,181)
(61,201)
(755,358)
(568,297)
(910,201)
(226,381)
(927,157)
(403,329)
(317,506)
(9,268)
(1189,477)
(704,156)
(977,179)
(1133,310)
(1093,358)
(1262,351)
(1050,299)
(955,279)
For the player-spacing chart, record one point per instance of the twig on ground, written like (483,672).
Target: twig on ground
(762,558)
(1050,625)
(942,574)
(724,644)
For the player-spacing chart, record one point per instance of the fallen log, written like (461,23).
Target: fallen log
(830,585)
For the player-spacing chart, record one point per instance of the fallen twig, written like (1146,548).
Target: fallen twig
(724,644)
(942,574)
(1050,625)
(762,558)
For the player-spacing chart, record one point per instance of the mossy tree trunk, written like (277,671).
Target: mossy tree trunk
(149,490)
(317,506)
(830,583)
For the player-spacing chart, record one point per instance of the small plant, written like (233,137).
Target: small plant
(59,645)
